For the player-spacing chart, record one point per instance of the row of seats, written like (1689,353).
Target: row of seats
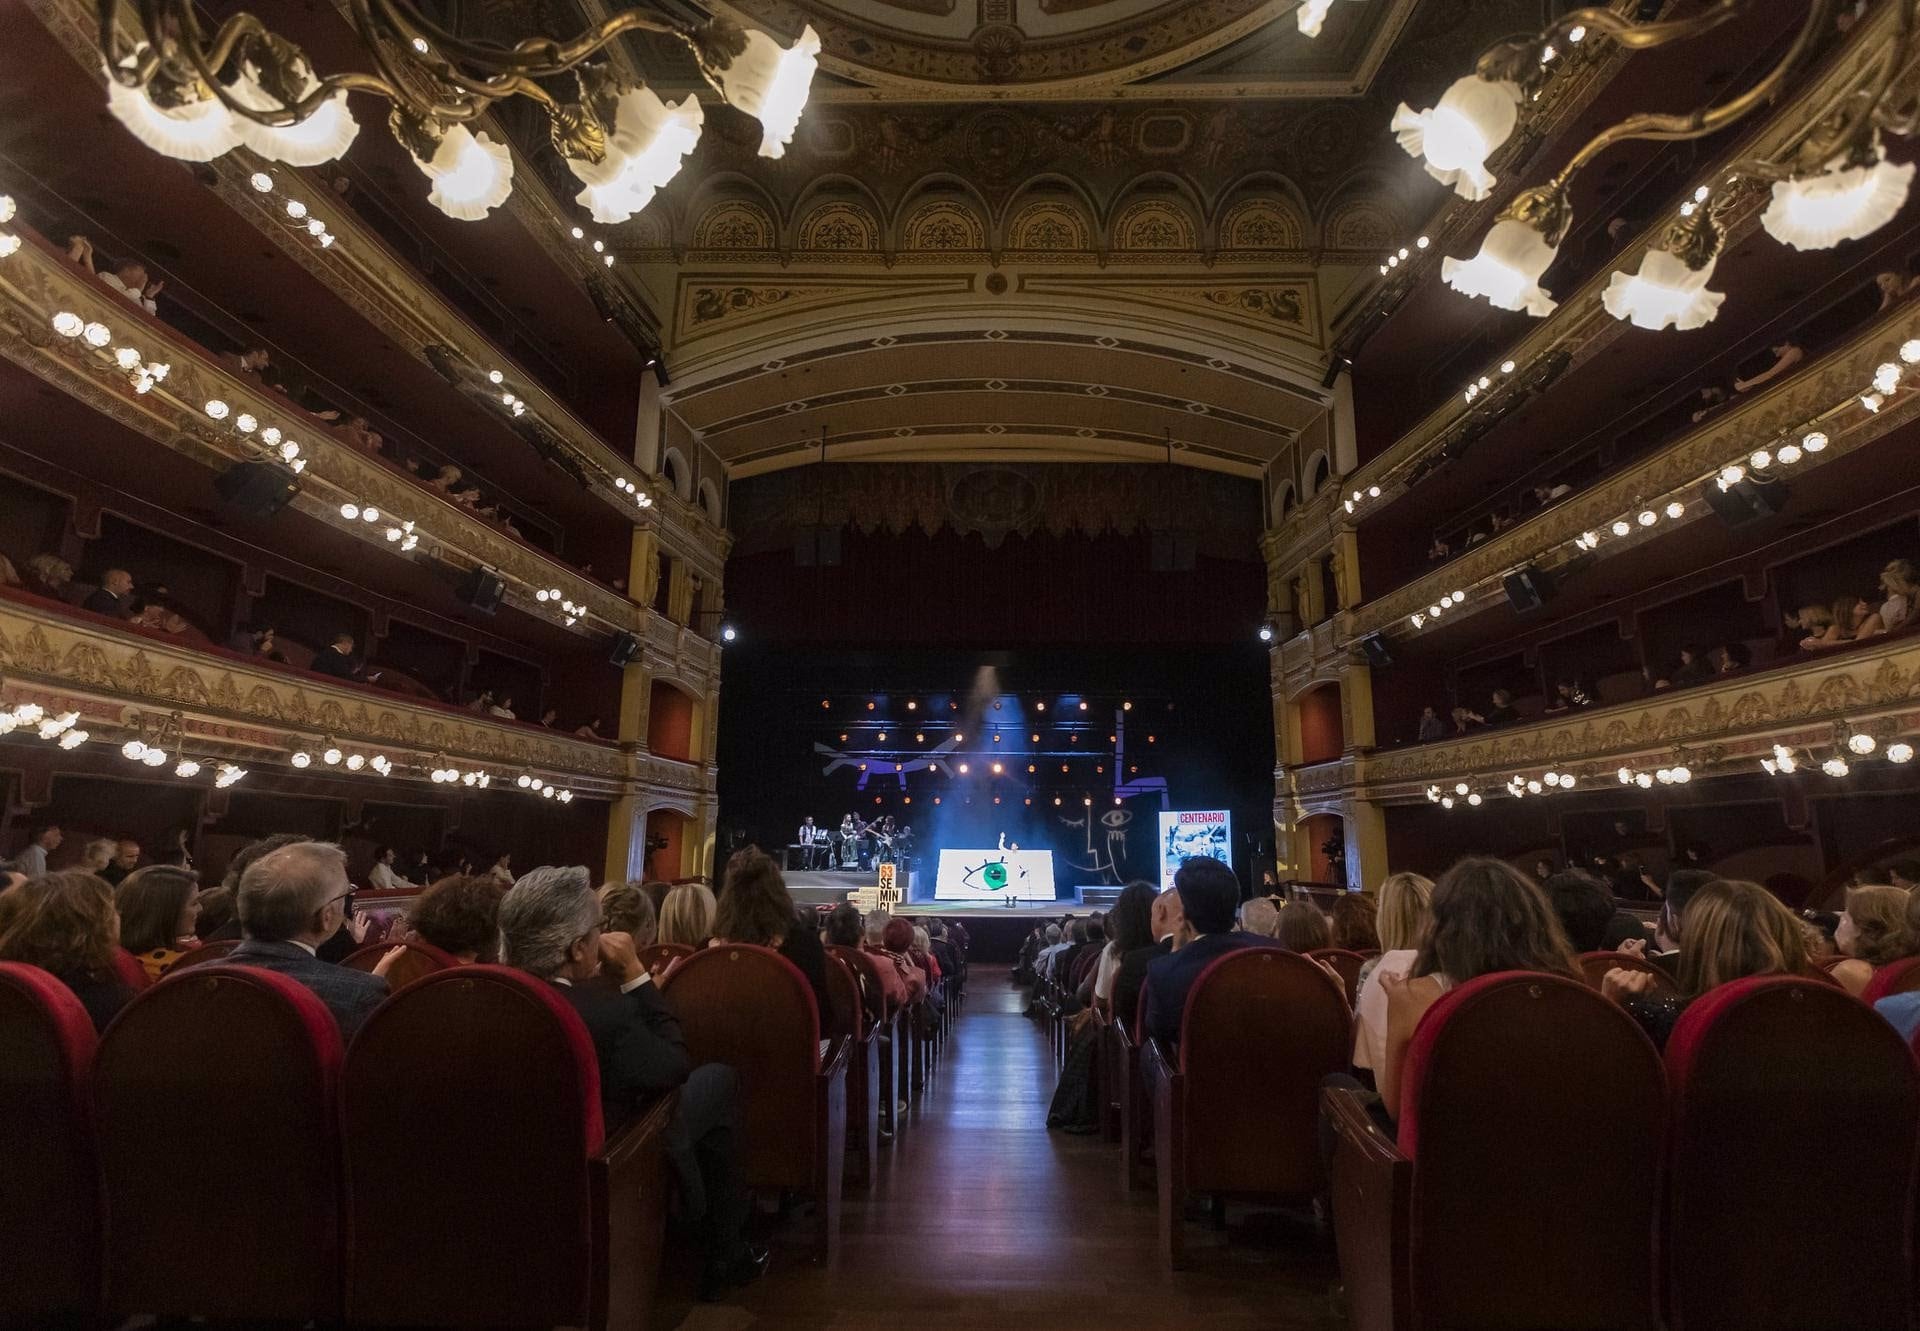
(467,1110)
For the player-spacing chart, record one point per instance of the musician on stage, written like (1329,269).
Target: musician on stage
(844,843)
(810,840)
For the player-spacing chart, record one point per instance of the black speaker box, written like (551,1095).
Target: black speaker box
(625,650)
(482,589)
(1747,501)
(258,489)
(1528,588)
(1379,655)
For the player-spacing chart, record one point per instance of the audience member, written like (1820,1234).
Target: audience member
(1694,667)
(256,640)
(114,597)
(126,858)
(1502,712)
(686,916)
(1786,355)
(1487,917)
(1584,906)
(591,730)
(1355,922)
(49,575)
(128,277)
(1209,894)
(382,875)
(1734,929)
(216,911)
(337,659)
(1902,1009)
(1302,927)
(1431,726)
(65,924)
(1872,932)
(292,900)
(42,840)
(1260,915)
(844,927)
(460,916)
(1904,874)
(1465,720)
(159,910)
(900,981)
(97,855)
(1402,923)
(626,909)
(1732,657)
(1897,580)
(1681,885)
(502,869)
(550,928)
(503,709)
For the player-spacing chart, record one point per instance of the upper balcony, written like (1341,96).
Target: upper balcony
(425,361)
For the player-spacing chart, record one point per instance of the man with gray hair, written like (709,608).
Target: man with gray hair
(550,927)
(291,900)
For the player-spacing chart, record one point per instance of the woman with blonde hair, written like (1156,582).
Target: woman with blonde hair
(1873,931)
(1733,929)
(97,856)
(626,909)
(686,916)
(1401,922)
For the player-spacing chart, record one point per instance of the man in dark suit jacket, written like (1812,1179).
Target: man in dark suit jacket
(550,928)
(1209,898)
(114,596)
(336,659)
(292,900)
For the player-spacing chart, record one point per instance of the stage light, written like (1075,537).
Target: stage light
(1083,707)
(958,738)
(1063,767)
(1030,768)
(825,704)
(1101,770)
(1088,801)
(863,767)
(1056,801)
(883,737)
(1111,739)
(997,769)
(869,707)
(1149,739)
(1126,706)
(964,769)
(876,799)
(996,737)
(1028,801)
(912,706)
(906,799)
(936,799)
(1033,739)
(1040,707)
(728,633)
(919,737)
(996,799)
(1266,633)
(899,767)
(843,737)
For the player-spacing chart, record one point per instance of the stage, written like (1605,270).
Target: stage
(995,930)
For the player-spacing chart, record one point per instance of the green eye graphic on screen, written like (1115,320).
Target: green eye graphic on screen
(995,877)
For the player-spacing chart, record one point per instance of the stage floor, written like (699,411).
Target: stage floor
(830,887)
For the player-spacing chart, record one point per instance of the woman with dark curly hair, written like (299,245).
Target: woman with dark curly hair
(159,911)
(460,916)
(65,924)
(754,907)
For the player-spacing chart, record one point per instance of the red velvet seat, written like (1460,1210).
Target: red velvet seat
(480,1187)
(129,969)
(235,1068)
(656,957)
(206,952)
(1521,1192)
(49,1206)
(849,1022)
(419,960)
(885,1023)
(1236,1110)
(1595,965)
(1796,1120)
(1896,977)
(1346,965)
(750,1008)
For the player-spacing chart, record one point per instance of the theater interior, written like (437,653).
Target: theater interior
(1329,584)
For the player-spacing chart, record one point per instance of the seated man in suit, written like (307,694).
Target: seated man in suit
(550,928)
(1209,899)
(291,901)
(114,596)
(337,659)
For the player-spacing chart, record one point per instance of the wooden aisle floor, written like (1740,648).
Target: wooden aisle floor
(981,1217)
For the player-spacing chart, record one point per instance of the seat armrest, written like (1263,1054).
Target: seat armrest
(629,1198)
(1157,1063)
(835,1062)
(1372,1185)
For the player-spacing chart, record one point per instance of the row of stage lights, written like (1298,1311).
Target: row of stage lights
(913,705)
(1761,464)
(1086,801)
(920,737)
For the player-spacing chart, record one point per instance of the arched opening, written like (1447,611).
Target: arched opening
(670,723)
(1322,735)
(666,842)
(1323,848)
(676,473)
(1320,474)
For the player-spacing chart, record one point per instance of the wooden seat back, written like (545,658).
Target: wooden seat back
(50,1218)
(237,1067)
(656,957)
(1346,964)
(206,952)
(1510,1080)
(1772,1078)
(1595,965)
(471,1106)
(418,960)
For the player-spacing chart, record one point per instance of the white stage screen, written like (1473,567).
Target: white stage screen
(1184,836)
(994,875)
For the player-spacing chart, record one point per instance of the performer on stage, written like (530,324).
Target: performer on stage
(810,840)
(848,843)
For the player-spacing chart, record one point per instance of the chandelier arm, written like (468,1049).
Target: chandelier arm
(1705,120)
(1518,58)
(533,57)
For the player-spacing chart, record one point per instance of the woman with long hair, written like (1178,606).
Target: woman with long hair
(1872,932)
(65,924)
(754,907)
(1401,922)
(1487,917)
(159,909)
(1354,927)
(1129,928)
(686,915)
(1733,929)
(1303,928)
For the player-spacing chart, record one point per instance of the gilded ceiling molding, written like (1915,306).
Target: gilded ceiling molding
(401,305)
(34,282)
(1725,726)
(1546,539)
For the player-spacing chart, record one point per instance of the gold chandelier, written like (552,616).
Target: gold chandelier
(1836,185)
(194,94)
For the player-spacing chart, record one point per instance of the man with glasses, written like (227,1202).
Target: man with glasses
(290,902)
(551,928)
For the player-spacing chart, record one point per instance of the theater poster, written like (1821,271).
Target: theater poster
(1183,836)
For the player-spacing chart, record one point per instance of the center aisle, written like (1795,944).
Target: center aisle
(981,1218)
